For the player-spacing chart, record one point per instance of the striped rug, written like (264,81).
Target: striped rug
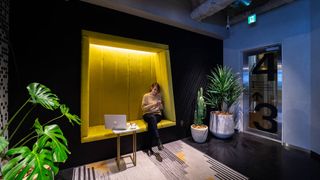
(176,161)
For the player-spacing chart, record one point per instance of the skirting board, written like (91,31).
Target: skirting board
(315,155)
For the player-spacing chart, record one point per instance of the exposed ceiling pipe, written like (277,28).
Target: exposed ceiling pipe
(209,8)
(194,3)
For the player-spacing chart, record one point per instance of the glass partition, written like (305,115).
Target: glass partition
(262,80)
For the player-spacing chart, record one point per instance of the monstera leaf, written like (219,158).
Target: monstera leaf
(52,137)
(3,143)
(40,94)
(35,164)
(72,118)
(50,147)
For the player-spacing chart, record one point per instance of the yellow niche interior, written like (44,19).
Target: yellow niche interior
(116,73)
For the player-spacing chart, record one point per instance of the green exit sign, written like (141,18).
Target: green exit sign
(252,18)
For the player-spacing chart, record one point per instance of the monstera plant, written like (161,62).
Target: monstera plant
(49,146)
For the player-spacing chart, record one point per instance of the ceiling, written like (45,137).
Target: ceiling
(208,17)
(235,10)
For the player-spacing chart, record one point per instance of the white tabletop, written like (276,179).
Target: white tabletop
(128,130)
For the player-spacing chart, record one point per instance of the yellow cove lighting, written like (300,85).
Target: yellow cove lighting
(121,50)
(115,74)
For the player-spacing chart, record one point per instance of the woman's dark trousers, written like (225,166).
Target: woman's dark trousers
(152,120)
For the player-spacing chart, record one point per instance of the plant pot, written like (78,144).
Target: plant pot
(221,125)
(199,133)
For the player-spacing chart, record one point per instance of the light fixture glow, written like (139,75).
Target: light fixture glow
(246,2)
(252,19)
(123,50)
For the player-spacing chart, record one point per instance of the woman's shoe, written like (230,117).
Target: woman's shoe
(150,152)
(160,146)
(158,157)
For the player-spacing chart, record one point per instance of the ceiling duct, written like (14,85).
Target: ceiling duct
(271,4)
(209,8)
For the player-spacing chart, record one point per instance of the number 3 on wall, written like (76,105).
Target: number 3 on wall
(270,118)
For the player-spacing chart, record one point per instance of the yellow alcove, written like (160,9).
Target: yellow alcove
(116,72)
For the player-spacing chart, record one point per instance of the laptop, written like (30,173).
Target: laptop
(115,121)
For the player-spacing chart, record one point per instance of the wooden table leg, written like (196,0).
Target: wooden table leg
(118,151)
(134,142)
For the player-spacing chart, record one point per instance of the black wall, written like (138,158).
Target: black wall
(45,47)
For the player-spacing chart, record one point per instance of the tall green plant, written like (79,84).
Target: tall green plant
(50,145)
(223,88)
(201,109)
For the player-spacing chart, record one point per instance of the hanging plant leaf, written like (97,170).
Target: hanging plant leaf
(38,127)
(72,118)
(40,94)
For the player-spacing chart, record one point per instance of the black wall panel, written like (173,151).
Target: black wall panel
(4,59)
(45,47)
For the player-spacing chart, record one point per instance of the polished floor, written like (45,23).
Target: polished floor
(259,158)
(254,157)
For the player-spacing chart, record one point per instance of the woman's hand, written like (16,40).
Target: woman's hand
(156,106)
(160,105)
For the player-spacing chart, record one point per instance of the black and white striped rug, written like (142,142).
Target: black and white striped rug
(177,161)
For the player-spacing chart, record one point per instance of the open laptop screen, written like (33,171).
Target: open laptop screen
(115,121)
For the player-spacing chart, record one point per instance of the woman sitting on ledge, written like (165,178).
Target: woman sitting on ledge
(152,114)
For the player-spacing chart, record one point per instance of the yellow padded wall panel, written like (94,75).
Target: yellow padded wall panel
(118,80)
(85,87)
(142,75)
(165,58)
(109,83)
(163,75)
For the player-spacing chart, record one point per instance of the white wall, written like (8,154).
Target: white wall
(315,76)
(290,26)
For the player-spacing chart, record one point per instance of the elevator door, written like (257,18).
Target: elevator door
(262,78)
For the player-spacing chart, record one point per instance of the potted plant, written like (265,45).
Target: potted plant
(49,144)
(199,131)
(223,90)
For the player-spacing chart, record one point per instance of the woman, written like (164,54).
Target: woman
(152,114)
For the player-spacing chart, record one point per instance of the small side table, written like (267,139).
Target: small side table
(134,143)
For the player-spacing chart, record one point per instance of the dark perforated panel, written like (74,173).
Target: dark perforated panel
(4,57)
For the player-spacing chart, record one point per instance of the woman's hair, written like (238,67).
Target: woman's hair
(154,85)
